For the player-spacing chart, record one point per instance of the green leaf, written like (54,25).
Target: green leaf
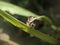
(25,28)
(13,9)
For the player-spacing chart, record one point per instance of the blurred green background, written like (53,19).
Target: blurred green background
(50,8)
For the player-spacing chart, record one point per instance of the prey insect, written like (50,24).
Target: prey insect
(34,23)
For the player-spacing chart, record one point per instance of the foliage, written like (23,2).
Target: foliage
(23,12)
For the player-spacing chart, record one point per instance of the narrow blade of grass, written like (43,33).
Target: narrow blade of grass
(25,28)
(13,9)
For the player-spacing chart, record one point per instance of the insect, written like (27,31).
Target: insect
(34,23)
